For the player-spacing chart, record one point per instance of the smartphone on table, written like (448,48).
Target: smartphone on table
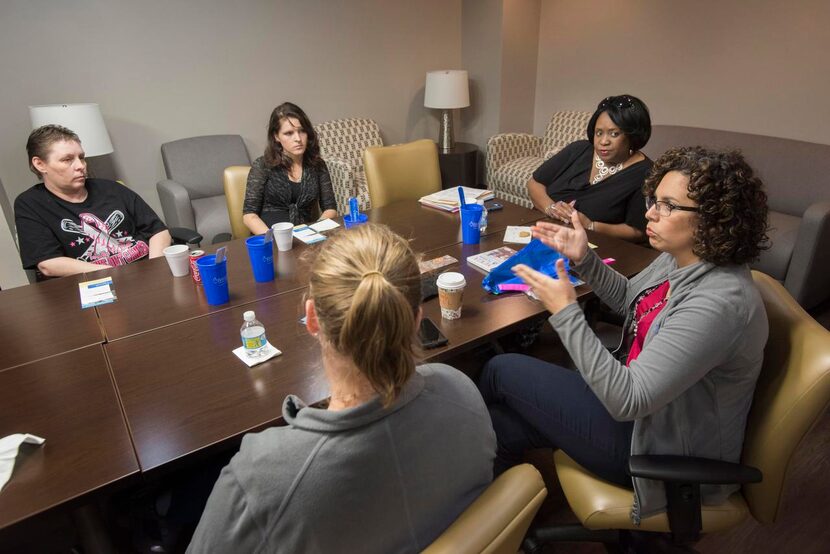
(430,335)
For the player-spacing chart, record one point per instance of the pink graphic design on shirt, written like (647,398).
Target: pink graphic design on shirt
(106,246)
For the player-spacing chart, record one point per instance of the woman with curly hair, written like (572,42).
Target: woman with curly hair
(290,182)
(682,380)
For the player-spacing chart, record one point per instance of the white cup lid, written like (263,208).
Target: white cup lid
(175,250)
(451,280)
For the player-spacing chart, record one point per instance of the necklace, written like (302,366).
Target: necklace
(635,320)
(604,170)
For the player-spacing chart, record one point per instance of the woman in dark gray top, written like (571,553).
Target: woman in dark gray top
(290,182)
(399,452)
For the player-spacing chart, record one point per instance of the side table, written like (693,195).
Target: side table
(458,166)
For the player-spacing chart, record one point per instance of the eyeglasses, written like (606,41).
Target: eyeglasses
(664,209)
(624,101)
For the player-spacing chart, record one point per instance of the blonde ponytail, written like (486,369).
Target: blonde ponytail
(366,289)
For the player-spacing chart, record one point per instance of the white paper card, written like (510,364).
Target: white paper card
(324,225)
(97,292)
(517,234)
(307,234)
(9,446)
(270,352)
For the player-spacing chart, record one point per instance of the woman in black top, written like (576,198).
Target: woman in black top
(290,182)
(602,177)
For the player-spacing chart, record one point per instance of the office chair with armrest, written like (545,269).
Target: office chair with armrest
(401,172)
(498,519)
(192,196)
(236,179)
(793,390)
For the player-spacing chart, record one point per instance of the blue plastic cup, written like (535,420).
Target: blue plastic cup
(349,222)
(214,279)
(261,254)
(470,218)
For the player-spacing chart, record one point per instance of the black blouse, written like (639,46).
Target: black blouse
(616,199)
(275,198)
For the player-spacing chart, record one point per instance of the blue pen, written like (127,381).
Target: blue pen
(353,208)
(461,196)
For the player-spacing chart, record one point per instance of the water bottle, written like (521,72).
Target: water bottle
(482,224)
(253,335)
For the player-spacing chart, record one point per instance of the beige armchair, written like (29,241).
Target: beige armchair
(342,142)
(793,390)
(513,157)
(497,520)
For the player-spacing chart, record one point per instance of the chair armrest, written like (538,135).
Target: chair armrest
(342,182)
(809,266)
(688,469)
(510,146)
(185,236)
(682,477)
(175,204)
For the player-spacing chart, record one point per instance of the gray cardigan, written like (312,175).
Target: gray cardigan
(365,479)
(690,389)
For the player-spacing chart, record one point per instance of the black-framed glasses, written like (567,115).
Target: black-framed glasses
(623,101)
(664,209)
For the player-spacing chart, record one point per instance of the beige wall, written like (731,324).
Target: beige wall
(520,39)
(164,70)
(754,66)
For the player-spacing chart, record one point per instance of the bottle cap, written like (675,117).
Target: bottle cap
(249,316)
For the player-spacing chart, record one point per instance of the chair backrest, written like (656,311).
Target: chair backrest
(236,179)
(197,163)
(793,390)
(564,128)
(497,521)
(401,172)
(346,139)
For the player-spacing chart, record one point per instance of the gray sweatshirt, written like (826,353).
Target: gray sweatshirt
(690,389)
(365,479)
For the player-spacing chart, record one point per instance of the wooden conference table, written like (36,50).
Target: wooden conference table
(160,385)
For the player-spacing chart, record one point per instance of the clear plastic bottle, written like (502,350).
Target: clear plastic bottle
(253,335)
(482,224)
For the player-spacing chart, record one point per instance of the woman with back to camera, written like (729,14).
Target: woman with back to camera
(400,451)
(290,182)
(683,378)
(600,178)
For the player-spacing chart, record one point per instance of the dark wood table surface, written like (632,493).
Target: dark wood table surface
(149,297)
(45,319)
(184,391)
(70,401)
(172,374)
(485,316)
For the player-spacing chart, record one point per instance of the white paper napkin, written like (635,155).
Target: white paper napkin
(9,447)
(270,352)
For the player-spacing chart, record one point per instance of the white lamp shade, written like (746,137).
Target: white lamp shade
(447,89)
(84,119)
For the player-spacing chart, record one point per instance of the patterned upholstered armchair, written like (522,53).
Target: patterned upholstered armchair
(342,142)
(513,157)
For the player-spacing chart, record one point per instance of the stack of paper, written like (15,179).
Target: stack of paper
(97,292)
(491,259)
(448,201)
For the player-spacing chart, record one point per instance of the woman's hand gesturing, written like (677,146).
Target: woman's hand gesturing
(571,243)
(555,294)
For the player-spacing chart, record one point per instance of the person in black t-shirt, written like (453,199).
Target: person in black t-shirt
(602,177)
(70,224)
